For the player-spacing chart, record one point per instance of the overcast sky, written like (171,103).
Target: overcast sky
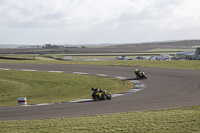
(98,21)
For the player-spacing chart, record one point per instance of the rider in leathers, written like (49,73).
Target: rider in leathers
(93,89)
(137,72)
(98,92)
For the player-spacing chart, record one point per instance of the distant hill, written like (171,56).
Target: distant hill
(166,44)
(124,48)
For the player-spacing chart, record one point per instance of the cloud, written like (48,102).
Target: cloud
(96,21)
(81,13)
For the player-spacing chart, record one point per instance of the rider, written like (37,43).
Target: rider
(93,89)
(138,72)
(97,92)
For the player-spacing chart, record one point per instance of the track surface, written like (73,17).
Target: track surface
(166,88)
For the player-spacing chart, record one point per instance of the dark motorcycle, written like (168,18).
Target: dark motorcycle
(101,95)
(141,75)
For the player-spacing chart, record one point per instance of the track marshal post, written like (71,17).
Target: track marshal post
(22,101)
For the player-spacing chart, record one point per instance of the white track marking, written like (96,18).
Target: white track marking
(56,71)
(28,70)
(5,69)
(103,75)
(120,77)
(116,95)
(80,73)
(81,100)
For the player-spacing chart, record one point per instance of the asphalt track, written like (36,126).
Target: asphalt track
(166,88)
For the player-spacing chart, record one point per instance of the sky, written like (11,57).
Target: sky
(98,21)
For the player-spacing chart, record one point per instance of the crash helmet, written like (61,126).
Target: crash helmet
(136,70)
(93,88)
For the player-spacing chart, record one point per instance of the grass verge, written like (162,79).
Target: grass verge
(167,120)
(46,87)
(184,64)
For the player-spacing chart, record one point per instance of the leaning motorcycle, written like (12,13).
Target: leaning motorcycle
(141,75)
(103,95)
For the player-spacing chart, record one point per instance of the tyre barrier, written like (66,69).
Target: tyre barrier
(22,101)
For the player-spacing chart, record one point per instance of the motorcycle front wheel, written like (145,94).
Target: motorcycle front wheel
(108,97)
(95,97)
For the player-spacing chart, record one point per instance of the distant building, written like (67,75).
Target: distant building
(142,58)
(72,47)
(123,58)
(188,55)
(197,53)
(49,46)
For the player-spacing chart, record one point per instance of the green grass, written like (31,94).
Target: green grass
(106,55)
(46,87)
(160,121)
(151,52)
(168,120)
(186,64)
(19,56)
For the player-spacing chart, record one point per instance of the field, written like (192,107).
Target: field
(105,59)
(95,55)
(45,87)
(167,120)
(183,64)
(185,119)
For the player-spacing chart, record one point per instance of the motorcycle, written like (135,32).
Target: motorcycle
(101,95)
(141,75)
